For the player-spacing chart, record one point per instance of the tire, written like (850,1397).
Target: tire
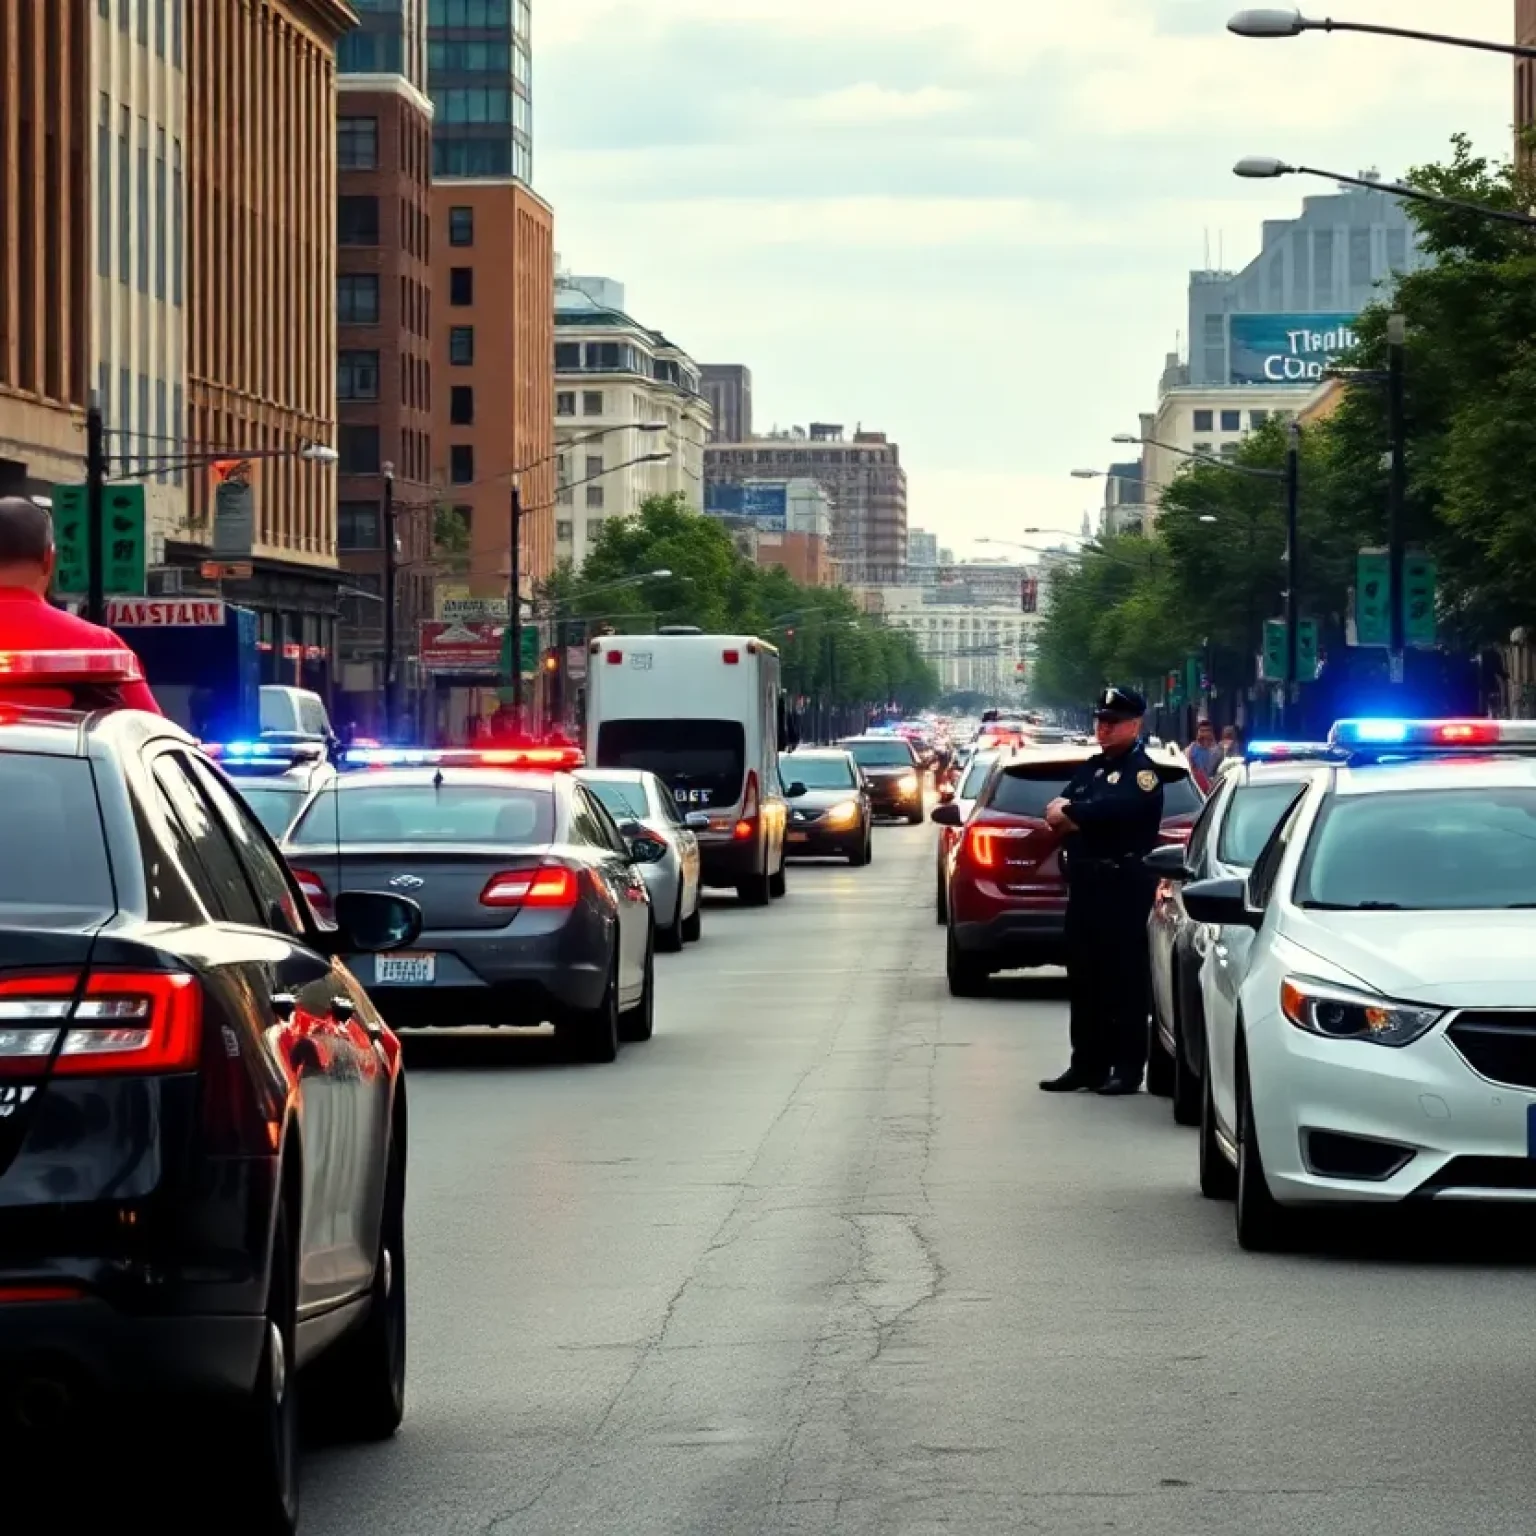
(1263,1224)
(754,891)
(778,885)
(966,978)
(1218,1178)
(917,818)
(693,924)
(1186,1082)
(594,1033)
(670,939)
(639,1023)
(357,1391)
(255,1442)
(1159,1063)
(859,857)
(941,900)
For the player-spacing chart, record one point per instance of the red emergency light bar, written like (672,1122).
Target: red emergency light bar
(552,758)
(53,667)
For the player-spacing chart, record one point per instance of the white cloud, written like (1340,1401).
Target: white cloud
(871,103)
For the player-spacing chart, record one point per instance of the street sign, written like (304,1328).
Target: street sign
(164,613)
(472,610)
(124,545)
(1419,584)
(234,508)
(529,641)
(1307,657)
(1373,598)
(1194,682)
(575,662)
(211,570)
(1273,657)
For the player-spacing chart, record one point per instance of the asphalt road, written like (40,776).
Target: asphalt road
(820,1258)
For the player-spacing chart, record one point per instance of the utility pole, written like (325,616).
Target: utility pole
(95,514)
(1397,337)
(515,603)
(1293,569)
(391,569)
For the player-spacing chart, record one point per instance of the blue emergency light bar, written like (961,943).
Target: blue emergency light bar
(549,758)
(266,754)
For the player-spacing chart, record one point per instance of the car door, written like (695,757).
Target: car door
(290,988)
(1169,926)
(597,828)
(664,809)
(360,1081)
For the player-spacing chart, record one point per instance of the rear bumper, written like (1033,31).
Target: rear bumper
(517,1002)
(1016,938)
(726,863)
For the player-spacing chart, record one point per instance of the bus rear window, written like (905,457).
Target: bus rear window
(703,762)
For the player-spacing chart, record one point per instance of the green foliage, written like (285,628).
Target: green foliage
(830,649)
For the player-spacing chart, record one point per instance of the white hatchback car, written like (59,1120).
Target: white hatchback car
(1370,991)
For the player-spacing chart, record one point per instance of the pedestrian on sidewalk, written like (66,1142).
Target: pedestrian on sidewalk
(1205,754)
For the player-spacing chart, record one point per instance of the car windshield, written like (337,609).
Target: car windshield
(53,852)
(274,807)
(419,813)
(1431,850)
(624,802)
(1254,814)
(976,776)
(1026,789)
(703,762)
(817,772)
(880,754)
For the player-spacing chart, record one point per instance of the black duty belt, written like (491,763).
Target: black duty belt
(1119,862)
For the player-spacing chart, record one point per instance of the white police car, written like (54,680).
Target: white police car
(274,777)
(1370,987)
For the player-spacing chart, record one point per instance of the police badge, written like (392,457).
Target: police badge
(1146,780)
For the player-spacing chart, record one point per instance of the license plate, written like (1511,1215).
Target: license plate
(405,970)
(799,837)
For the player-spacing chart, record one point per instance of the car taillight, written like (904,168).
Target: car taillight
(123,1021)
(555,886)
(746,826)
(981,847)
(1176,834)
(315,893)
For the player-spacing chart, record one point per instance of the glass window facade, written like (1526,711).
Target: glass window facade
(480,75)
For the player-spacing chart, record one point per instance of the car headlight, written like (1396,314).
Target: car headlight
(1341,1013)
(844,815)
(907,783)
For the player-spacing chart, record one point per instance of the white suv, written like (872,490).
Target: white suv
(1370,991)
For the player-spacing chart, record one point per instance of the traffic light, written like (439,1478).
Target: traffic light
(551,661)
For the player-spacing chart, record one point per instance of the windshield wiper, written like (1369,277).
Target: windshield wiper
(1357,906)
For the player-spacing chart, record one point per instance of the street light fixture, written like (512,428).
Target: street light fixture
(1269,21)
(1267,168)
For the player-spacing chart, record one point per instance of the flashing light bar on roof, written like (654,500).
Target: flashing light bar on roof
(104,666)
(1432,734)
(265,752)
(1287,751)
(552,758)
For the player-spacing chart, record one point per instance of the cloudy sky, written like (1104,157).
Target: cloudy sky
(968,224)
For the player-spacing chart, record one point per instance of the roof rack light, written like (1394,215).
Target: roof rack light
(1433,735)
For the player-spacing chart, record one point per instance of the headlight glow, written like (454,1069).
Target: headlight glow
(907,783)
(1341,1013)
(843,815)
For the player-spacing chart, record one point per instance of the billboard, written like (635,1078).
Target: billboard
(460,646)
(765,502)
(1287,349)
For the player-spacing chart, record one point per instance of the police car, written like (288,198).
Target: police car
(1370,988)
(274,777)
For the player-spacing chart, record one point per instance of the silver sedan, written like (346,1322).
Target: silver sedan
(665,846)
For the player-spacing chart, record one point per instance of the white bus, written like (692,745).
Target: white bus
(705,714)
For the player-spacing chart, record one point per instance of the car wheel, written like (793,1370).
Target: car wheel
(1159,1065)
(858,857)
(1186,1081)
(754,891)
(639,1023)
(693,924)
(940,899)
(778,884)
(256,1441)
(869,843)
(966,977)
(670,939)
(594,1033)
(917,817)
(1263,1224)
(357,1391)
(1218,1178)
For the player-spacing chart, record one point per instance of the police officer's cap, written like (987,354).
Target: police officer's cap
(1119,704)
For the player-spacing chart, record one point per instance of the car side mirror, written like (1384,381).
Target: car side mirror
(795,791)
(698,821)
(373,922)
(947,815)
(630,829)
(1168,863)
(1221,904)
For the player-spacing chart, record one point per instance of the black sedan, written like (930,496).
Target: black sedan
(834,815)
(534,907)
(202,1119)
(894,772)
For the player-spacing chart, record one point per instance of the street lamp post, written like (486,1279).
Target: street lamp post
(1269,21)
(95,532)
(1292,569)
(1397,494)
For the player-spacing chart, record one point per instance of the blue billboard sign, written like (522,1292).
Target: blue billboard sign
(765,502)
(1287,349)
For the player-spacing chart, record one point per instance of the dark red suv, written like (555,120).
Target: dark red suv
(1007,894)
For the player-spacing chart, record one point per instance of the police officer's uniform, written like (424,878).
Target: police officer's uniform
(1116,803)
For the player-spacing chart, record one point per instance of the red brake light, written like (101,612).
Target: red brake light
(615,658)
(732,658)
(554,886)
(124,1021)
(981,847)
(315,893)
(746,827)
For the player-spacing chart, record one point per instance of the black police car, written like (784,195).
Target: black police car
(202,1117)
(275,776)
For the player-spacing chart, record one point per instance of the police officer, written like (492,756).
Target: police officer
(1109,820)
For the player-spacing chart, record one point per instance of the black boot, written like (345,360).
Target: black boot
(1120,1085)
(1070,1081)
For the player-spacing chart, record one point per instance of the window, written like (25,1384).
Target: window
(470,13)
(124,209)
(594,529)
(468,815)
(176,256)
(53,851)
(123,8)
(357,298)
(1257,419)
(357,221)
(473,104)
(263,869)
(357,525)
(142,192)
(1359,258)
(565,402)
(563,531)
(1202,448)
(358,447)
(1254,814)
(144,23)
(567,357)
(461,285)
(176,36)
(104,190)
(1230,450)
(461,405)
(370,53)
(160,28)
(461,226)
(594,495)
(357,375)
(594,466)
(461,463)
(702,762)
(217,862)
(1205,421)
(1231,421)
(161,195)
(162,444)
(592,402)
(471,157)
(461,345)
(357,143)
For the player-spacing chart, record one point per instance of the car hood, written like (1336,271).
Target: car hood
(1461,959)
(823,799)
(888,771)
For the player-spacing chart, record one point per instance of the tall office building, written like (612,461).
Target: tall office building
(728,388)
(480,64)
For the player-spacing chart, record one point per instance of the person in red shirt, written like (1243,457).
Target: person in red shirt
(28,622)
